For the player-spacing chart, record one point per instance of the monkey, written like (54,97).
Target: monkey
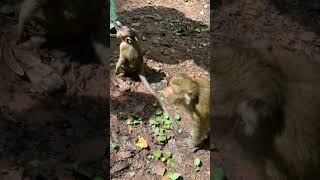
(270,102)
(131,57)
(194,95)
(63,16)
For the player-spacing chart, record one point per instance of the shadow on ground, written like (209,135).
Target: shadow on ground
(167,36)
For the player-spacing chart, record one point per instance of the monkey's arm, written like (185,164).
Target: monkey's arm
(120,61)
(147,85)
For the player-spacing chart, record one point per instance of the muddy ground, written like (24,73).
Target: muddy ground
(291,28)
(53,119)
(175,39)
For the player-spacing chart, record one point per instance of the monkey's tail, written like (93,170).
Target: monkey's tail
(155,94)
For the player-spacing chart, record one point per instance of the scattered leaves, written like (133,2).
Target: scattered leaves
(153,121)
(134,120)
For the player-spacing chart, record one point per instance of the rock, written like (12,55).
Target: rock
(159,168)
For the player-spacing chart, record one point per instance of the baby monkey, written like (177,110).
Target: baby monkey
(194,95)
(130,52)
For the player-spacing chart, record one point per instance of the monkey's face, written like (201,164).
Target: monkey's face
(126,34)
(182,90)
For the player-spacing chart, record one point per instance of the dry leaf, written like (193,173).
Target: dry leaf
(142,143)
(129,129)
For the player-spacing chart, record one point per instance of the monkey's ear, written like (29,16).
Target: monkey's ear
(128,40)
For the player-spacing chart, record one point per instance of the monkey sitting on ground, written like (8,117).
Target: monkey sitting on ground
(63,17)
(194,95)
(272,104)
(130,55)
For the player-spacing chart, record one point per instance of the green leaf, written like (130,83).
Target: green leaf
(134,122)
(177,117)
(158,112)
(173,175)
(163,159)
(162,138)
(197,162)
(156,131)
(167,122)
(161,130)
(218,174)
(156,154)
(167,153)
(168,126)
(170,163)
(114,146)
(166,115)
(153,121)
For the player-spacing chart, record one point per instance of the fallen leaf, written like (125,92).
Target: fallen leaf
(129,129)
(123,155)
(142,143)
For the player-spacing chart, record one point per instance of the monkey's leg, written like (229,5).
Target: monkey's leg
(121,60)
(199,131)
(28,7)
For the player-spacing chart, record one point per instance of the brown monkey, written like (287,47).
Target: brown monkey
(273,101)
(194,95)
(64,16)
(131,57)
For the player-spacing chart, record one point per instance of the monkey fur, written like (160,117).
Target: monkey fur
(64,16)
(273,102)
(130,55)
(194,95)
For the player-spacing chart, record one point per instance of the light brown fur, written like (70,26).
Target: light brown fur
(277,100)
(194,95)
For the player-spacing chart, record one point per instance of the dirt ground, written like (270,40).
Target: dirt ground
(291,28)
(175,39)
